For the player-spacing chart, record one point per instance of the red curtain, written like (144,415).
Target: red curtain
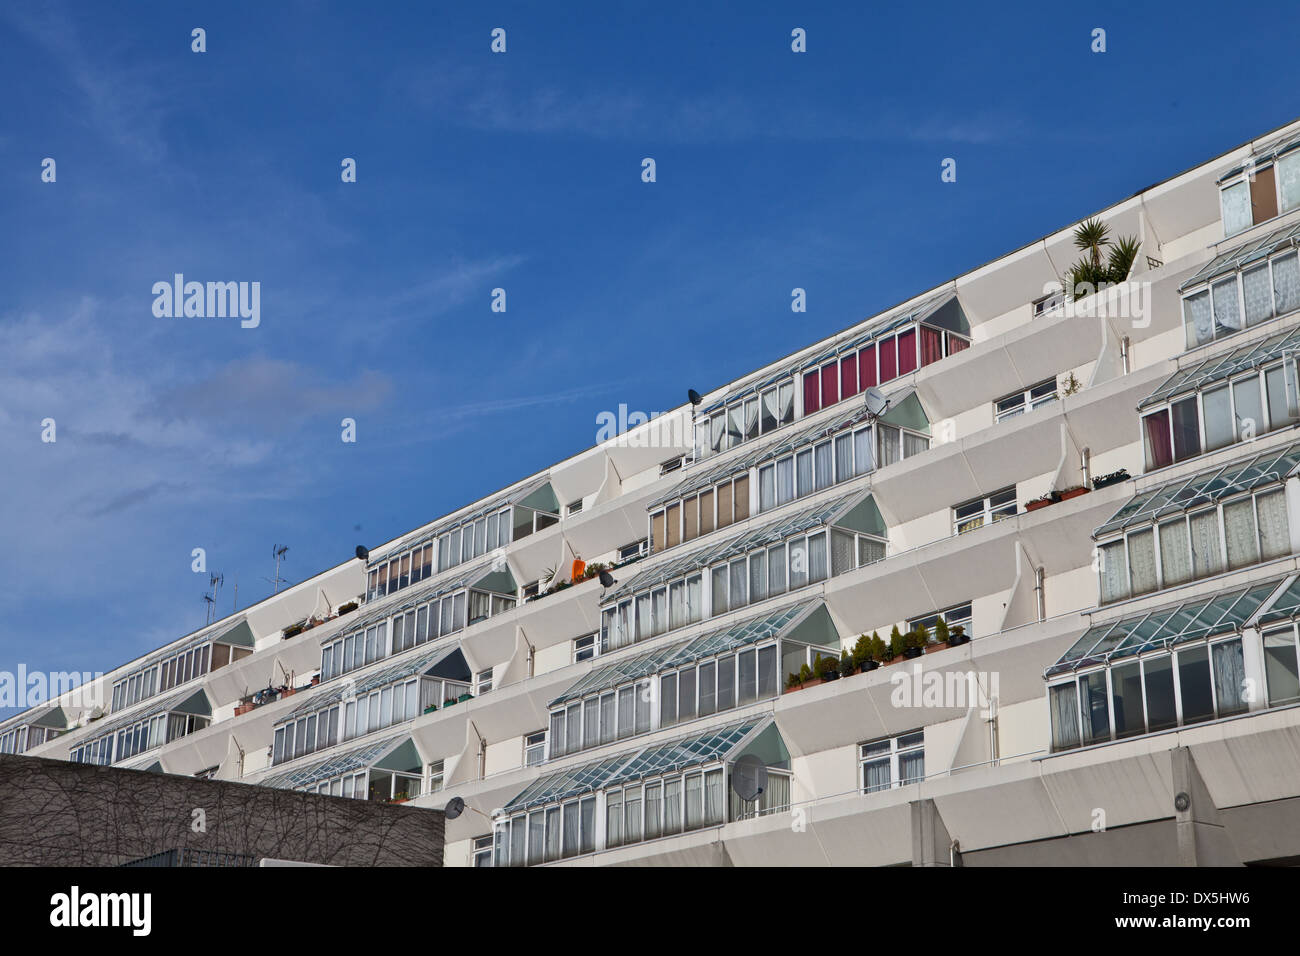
(849,376)
(907,352)
(830,385)
(957,344)
(1160,447)
(867,367)
(931,345)
(812,396)
(888,359)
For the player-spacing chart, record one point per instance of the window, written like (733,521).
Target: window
(981,511)
(1260,291)
(957,614)
(436,776)
(1257,194)
(892,762)
(482,850)
(534,748)
(1048,303)
(1017,403)
(483,682)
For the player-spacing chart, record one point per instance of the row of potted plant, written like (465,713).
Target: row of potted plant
(293,630)
(1053,496)
(872,652)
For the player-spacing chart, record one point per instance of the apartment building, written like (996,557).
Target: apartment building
(1093,497)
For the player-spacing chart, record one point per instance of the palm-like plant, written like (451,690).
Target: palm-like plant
(1122,255)
(1090,236)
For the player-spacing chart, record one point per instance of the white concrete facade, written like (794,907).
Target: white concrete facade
(812,523)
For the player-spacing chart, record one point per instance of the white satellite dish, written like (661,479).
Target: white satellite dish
(877,404)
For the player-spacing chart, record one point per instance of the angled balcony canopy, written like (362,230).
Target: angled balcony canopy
(855,511)
(783,372)
(484,577)
(1206,487)
(193,701)
(536,494)
(1222,367)
(1164,627)
(1272,151)
(941,310)
(447,662)
(392,753)
(807,622)
(1244,254)
(721,744)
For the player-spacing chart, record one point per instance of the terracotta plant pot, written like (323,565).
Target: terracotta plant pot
(1069,493)
(1037,503)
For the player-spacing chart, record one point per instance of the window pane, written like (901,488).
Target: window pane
(776,569)
(1286,283)
(1126,699)
(1229,677)
(726,682)
(1158,677)
(1207,557)
(767,419)
(758,576)
(1194,684)
(1227,310)
(1198,319)
(1175,552)
(708,688)
(1280,668)
(739,583)
(862,451)
(1159,445)
(812,395)
(784,480)
(767,488)
(1236,208)
(1274,534)
(1257,291)
(804,469)
(686,703)
(1142,561)
(767,676)
(798,563)
(1239,527)
(1250,409)
(748,690)
(1218,418)
(1095,710)
(1114,573)
(1187,432)
(824,465)
(720,578)
(786,402)
(843,457)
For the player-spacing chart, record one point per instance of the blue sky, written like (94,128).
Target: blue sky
(775,170)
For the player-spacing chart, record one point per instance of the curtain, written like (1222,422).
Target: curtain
(914,444)
(751,419)
(654,810)
(590,723)
(787,403)
(726,682)
(614,818)
(907,352)
(632,814)
(767,488)
(1207,556)
(1257,291)
(1175,552)
(1187,428)
(1198,319)
(713,797)
(804,467)
(888,359)
(867,367)
(1236,208)
(830,386)
(849,376)
(1288,176)
(1274,533)
(694,599)
(784,480)
(1229,676)
(776,569)
(673,805)
(769,418)
(870,551)
(677,605)
(888,441)
(667,700)
(812,396)
(875,776)
(798,563)
(1142,561)
(758,576)
(659,610)
(694,801)
(931,345)
(642,616)
(1160,447)
(862,451)
(626,718)
(1239,528)
(1219,429)
(817,558)
(1227,310)
(1275,393)
(825,465)
(1064,706)
(842,551)
(1114,573)
(571,830)
(843,457)
(720,591)
(911,767)
(739,580)
(1286,283)
(1250,406)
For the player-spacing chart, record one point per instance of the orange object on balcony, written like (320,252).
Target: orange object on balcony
(579,568)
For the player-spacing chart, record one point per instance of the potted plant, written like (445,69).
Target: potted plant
(1114,478)
(792,681)
(897,644)
(347,608)
(293,630)
(914,644)
(1072,492)
(863,659)
(1042,501)
(881,653)
(846,664)
(958,636)
(431,708)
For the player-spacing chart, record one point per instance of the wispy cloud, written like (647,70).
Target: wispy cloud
(714,116)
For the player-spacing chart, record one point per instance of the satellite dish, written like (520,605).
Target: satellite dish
(748,777)
(363,553)
(607,579)
(876,402)
(694,396)
(454,808)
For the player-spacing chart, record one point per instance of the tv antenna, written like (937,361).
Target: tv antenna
(214,582)
(277,552)
(207,614)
